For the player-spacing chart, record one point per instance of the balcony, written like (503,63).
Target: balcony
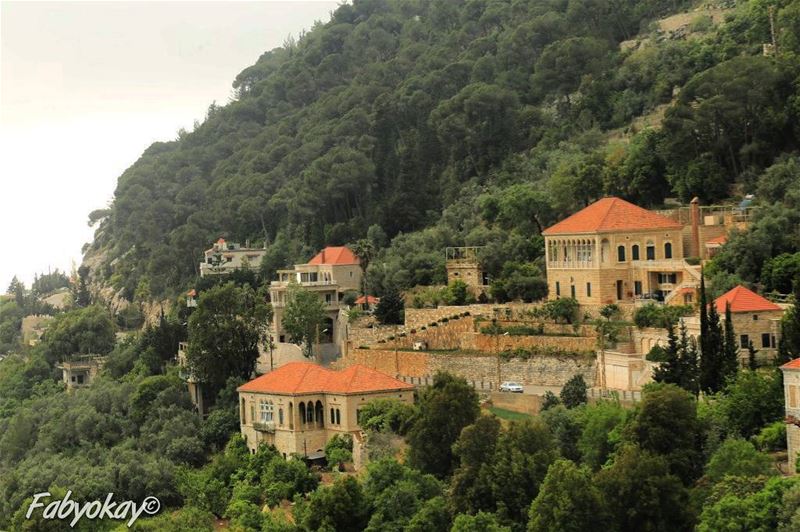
(264,426)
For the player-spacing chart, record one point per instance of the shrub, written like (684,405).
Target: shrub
(574,392)
(772,437)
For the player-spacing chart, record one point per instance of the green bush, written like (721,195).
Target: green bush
(772,437)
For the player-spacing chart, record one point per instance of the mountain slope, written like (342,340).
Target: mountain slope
(449,123)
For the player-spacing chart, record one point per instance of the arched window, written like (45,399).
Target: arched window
(310,412)
(333,417)
(244,415)
(302,408)
(668,250)
(291,416)
(635,252)
(651,251)
(338,417)
(604,250)
(319,414)
(280,416)
(621,253)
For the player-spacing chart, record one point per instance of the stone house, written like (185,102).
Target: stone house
(79,370)
(300,406)
(791,398)
(330,274)
(224,257)
(613,251)
(463,264)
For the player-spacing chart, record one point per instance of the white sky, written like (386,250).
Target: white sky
(85,87)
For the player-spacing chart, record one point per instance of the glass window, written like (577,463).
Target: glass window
(558,288)
(635,252)
(588,289)
(338,417)
(266,411)
(668,250)
(280,416)
(651,251)
(637,288)
(765,340)
(744,341)
(572,291)
(621,253)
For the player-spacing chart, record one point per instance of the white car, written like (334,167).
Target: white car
(509,386)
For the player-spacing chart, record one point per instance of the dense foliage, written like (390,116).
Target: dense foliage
(415,125)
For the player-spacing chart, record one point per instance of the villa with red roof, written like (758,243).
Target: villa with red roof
(614,252)
(300,406)
(330,274)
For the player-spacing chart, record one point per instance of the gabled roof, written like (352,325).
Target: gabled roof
(335,255)
(609,215)
(370,300)
(792,364)
(721,239)
(305,377)
(742,299)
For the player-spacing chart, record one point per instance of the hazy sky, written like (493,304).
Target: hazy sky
(85,87)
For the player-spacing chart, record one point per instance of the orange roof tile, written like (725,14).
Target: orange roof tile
(611,214)
(742,299)
(335,255)
(792,364)
(370,300)
(305,377)
(721,239)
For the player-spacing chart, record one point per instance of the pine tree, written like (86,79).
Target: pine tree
(670,370)
(17,289)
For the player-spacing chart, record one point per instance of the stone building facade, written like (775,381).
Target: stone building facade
(791,397)
(330,274)
(463,264)
(225,257)
(300,406)
(613,251)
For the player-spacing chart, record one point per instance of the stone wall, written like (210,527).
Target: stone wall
(517,402)
(545,370)
(489,343)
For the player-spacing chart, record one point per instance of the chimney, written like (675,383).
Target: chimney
(323,255)
(695,206)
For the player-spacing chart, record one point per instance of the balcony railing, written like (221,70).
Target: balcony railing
(264,426)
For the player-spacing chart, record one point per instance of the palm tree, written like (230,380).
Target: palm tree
(364,250)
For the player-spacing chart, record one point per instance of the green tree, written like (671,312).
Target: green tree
(303,317)
(224,334)
(666,424)
(574,392)
(391,308)
(480,522)
(364,249)
(457,292)
(737,457)
(340,507)
(87,330)
(789,346)
(568,500)
(730,350)
(641,494)
(445,408)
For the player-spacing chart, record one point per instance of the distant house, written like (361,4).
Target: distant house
(463,264)
(300,406)
(330,274)
(367,302)
(755,319)
(791,397)
(225,257)
(80,370)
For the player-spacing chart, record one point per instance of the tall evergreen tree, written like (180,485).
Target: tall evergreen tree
(789,345)
(707,365)
(730,350)
(670,370)
(713,343)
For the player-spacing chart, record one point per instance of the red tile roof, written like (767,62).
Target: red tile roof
(742,299)
(370,300)
(609,215)
(305,377)
(721,239)
(792,364)
(334,255)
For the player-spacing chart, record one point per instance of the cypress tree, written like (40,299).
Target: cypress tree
(670,370)
(730,351)
(714,345)
(751,357)
(706,348)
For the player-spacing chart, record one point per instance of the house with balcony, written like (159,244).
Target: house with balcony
(613,251)
(330,274)
(225,257)
(301,405)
